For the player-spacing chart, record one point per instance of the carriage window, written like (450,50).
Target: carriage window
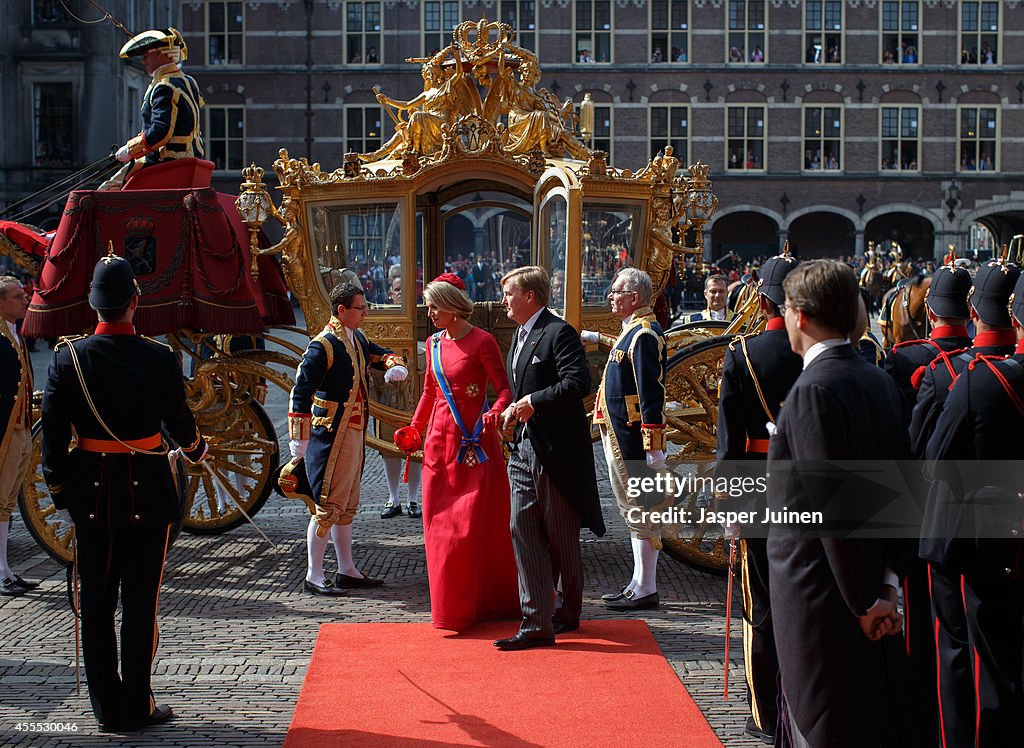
(552,237)
(609,241)
(366,240)
(486,234)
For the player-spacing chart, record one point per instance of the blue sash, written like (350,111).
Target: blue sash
(471,451)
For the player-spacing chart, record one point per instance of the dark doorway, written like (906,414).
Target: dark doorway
(822,235)
(748,234)
(913,233)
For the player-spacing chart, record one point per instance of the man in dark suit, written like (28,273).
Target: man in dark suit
(716,293)
(756,376)
(117,486)
(551,469)
(833,598)
(984,551)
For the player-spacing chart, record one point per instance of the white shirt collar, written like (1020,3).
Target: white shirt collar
(528,325)
(717,315)
(820,347)
(13,328)
(351,334)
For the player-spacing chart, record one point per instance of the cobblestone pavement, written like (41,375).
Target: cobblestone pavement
(237,630)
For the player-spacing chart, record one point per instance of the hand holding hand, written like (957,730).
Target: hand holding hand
(523,409)
(396,374)
(298,448)
(123,154)
(589,336)
(493,421)
(656,459)
(882,618)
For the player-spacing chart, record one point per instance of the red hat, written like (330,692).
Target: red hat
(450,278)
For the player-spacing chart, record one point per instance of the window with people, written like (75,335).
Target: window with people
(823,137)
(363,32)
(978,138)
(748,26)
(440,17)
(745,138)
(225,33)
(670,30)
(901,32)
(823,31)
(900,138)
(979,33)
(592,29)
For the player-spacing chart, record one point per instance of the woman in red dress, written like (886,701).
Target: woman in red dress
(466,506)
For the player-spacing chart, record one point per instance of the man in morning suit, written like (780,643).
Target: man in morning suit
(756,376)
(983,420)
(551,469)
(716,293)
(15,419)
(630,411)
(171,107)
(832,598)
(117,486)
(327,419)
(989,308)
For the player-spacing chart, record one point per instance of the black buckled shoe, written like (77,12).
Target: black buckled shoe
(524,640)
(391,509)
(158,716)
(610,597)
(630,601)
(414,509)
(10,588)
(23,584)
(350,582)
(325,588)
(565,628)
(751,729)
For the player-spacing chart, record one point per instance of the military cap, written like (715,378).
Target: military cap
(947,295)
(169,41)
(1017,300)
(113,283)
(773,272)
(990,294)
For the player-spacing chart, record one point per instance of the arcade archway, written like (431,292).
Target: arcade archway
(914,233)
(822,234)
(746,233)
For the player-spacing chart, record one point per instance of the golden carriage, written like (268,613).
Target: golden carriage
(485,172)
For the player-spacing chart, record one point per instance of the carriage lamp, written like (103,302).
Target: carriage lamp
(254,206)
(587,118)
(952,199)
(701,202)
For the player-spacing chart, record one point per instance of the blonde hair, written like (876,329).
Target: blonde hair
(531,278)
(448,298)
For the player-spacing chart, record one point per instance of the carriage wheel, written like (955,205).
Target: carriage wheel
(244,455)
(691,413)
(38,512)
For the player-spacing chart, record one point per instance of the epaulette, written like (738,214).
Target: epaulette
(157,342)
(67,340)
(740,338)
(325,344)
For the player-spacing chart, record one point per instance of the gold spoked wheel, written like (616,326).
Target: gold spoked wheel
(691,412)
(38,511)
(243,458)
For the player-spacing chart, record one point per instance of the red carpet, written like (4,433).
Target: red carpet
(409,684)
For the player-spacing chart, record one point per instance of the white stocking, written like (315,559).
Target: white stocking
(635,544)
(5,570)
(647,582)
(315,549)
(393,471)
(341,535)
(415,475)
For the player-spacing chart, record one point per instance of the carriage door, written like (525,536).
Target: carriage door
(557,209)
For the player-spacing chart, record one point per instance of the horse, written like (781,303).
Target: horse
(904,316)
(873,281)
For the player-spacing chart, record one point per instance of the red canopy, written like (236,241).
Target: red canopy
(190,259)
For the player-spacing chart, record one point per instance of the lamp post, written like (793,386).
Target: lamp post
(952,200)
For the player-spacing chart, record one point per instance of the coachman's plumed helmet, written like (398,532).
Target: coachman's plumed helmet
(169,41)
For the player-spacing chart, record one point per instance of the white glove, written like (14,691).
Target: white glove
(656,459)
(123,155)
(298,448)
(589,336)
(396,374)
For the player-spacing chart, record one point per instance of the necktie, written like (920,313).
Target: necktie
(520,339)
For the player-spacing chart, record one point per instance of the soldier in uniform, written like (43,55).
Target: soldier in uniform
(716,291)
(988,300)
(630,411)
(946,303)
(171,108)
(117,486)
(327,428)
(757,373)
(15,419)
(983,420)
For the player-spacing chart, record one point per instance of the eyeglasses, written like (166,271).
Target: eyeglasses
(357,308)
(615,292)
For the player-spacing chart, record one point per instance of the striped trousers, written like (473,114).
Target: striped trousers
(546,542)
